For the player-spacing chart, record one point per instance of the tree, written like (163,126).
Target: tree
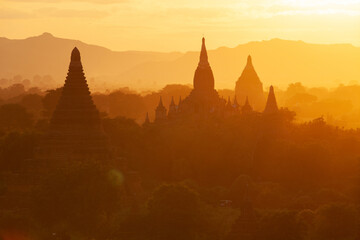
(14,116)
(174,213)
(242,189)
(14,225)
(33,103)
(279,225)
(79,197)
(50,101)
(15,90)
(306,220)
(15,149)
(335,222)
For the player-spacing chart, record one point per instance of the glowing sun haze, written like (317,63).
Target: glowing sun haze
(177,25)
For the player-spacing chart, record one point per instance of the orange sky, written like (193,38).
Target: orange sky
(176,25)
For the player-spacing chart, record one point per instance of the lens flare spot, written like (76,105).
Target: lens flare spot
(116,177)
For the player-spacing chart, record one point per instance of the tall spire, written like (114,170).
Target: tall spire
(249,61)
(172,109)
(247,101)
(271,105)
(229,107)
(178,107)
(203,78)
(203,55)
(247,107)
(172,101)
(160,105)
(236,104)
(229,101)
(147,120)
(160,111)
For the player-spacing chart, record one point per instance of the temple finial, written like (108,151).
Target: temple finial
(172,101)
(161,102)
(147,120)
(75,55)
(203,54)
(203,77)
(236,104)
(247,107)
(249,60)
(160,112)
(271,104)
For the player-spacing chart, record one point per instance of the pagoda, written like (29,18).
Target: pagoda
(236,105)
(203,99)
(147,119)
(172,109)
(246,109)
(249,85)
(75,130)
(160,112)
(271,105)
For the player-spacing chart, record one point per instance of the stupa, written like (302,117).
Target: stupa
(203,99)
(249,85)
(75,130)
(160,112)
(271,104)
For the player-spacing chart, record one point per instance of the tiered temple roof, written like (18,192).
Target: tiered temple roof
(75,127)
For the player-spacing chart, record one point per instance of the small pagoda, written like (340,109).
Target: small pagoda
(271,104)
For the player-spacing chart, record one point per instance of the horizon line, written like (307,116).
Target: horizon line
(177,51)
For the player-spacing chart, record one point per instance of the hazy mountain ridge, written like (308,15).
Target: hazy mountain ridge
(276,61)
(46,54)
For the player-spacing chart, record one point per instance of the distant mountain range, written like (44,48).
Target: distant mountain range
(278,62)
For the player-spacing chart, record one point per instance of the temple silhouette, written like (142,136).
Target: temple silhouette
(204,101)
(203,98)
(249,87)
(75,137)
(271,105)
(75,130)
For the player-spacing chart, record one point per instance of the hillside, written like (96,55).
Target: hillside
(46,54)
(277,62)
